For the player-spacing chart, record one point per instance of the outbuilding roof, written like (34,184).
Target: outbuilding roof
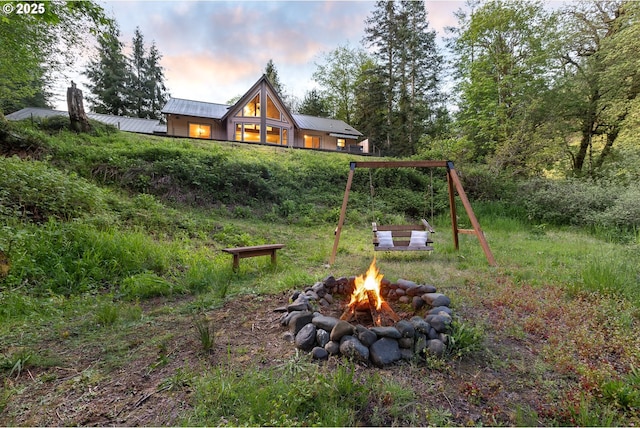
(129,124)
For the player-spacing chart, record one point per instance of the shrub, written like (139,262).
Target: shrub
(33,190)
(565,202)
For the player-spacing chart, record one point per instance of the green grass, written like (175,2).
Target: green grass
(156,213)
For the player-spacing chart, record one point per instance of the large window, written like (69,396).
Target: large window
(249,132)
(277,135)
(252,108)
(272,111)
(197,130)
(312,141)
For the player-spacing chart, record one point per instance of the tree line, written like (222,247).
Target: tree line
(528,88)
(126,86)
(533,88)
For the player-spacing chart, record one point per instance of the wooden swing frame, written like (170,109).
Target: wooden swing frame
(453,184)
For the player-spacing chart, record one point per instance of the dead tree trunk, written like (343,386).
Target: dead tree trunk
(77,116)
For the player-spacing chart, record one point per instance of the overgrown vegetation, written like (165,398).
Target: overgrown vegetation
(112,248)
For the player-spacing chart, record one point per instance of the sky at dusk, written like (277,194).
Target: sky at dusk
(215,50)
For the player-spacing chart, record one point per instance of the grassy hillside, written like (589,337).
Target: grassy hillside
(118,307)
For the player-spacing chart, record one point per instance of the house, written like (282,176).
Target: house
(259,116)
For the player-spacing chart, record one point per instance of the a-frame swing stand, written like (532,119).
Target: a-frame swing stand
(454,185)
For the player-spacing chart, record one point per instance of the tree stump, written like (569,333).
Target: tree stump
(77,116)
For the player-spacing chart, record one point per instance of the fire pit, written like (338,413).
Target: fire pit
(367,328)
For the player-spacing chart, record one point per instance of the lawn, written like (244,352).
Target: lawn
(118,307)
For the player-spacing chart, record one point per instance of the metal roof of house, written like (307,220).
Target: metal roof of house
(326,125)
(129,124)
(217,111)
(195,108)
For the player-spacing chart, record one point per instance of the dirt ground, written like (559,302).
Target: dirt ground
(87,387)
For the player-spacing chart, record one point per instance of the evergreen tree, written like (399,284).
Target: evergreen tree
(110,76)
(272,74)
(155,88)
(314,104)
(408,68)
(137,90)
(381,34)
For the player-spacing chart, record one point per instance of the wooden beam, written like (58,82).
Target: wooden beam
(400,164)
(472,217)
(343,212)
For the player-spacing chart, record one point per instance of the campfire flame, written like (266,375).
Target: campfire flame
(367,294)
(370,281)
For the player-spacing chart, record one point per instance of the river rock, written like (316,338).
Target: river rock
(405,342)
(342,328)
(299,320)
(436,310)
(405,328)
(390,332)
(325,322)
(439,322)
(353,348)
(333,348)
(306,337)
(318,353)
(384,352)
(366,336)
(435,347)
(319,289)
(406,354)
(417,303)
(322,337)
(436,299)
(405,284)
(420,324)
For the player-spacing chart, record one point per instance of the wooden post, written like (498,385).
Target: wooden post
(77,116)
(472,217)
(452,209)
(343,212)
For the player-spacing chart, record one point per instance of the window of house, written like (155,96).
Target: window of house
(273,134)
(312,141)
(248,132)
(198,130)
(285,137)
(252,108)
(341,143)
(272,111)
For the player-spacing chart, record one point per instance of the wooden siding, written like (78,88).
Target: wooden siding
(178,126)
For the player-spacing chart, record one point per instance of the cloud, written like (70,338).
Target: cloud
(214,50)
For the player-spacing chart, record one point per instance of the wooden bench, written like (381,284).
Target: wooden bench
(256,250)
(401,236)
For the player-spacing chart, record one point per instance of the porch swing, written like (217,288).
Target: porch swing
(403,233)
(404,237)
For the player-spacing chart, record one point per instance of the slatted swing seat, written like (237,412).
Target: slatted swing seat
(407,237)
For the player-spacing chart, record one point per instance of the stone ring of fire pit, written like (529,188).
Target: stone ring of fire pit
(359,335)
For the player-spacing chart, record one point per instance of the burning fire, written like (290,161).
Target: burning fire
(370,281)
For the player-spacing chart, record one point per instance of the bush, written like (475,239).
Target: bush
(565,202)
(32,190)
